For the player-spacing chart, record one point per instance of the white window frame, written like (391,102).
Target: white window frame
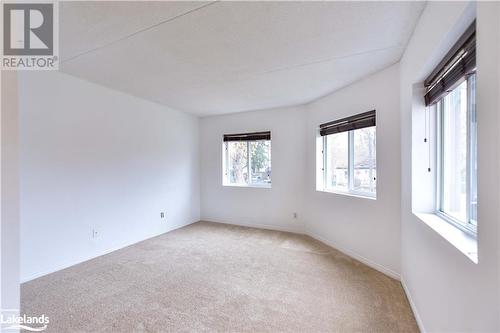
(225,166)
(350,169)
(465,226)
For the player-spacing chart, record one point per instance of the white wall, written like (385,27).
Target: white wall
(92,157)
(260,207)
(9,193)
(364,228)
(448,291)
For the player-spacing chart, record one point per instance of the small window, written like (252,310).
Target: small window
(247,159)
(349,155)
(457,155)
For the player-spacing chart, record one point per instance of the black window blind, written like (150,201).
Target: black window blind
(459,62)
(362,120)
(248,136)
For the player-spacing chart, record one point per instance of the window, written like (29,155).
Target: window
(451,93)
(349,155)
(457,175)
(247,159)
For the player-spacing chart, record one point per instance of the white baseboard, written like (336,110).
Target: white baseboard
(259,226)
(368,262)
(413,307)
(36,275)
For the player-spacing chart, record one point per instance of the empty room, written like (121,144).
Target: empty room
(250,166)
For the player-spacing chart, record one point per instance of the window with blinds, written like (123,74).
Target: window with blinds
(349,163)
(247,159)
(451,95)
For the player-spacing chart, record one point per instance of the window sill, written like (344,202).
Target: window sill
(248,185)
(349,194)
(462,241)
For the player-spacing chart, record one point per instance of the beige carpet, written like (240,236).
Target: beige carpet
(215,277)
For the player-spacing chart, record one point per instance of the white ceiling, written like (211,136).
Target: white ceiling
(222,57)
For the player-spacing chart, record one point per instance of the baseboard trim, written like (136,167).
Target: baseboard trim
(413,306)
(352,254)
(257,225)
(110,250)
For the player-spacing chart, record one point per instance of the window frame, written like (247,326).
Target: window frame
(465,226)
(350,168)
(225,166)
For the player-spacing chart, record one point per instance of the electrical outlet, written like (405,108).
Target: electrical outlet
(162,215)
(294,215)
(95,233)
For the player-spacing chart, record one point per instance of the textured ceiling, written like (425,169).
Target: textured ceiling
(222,57)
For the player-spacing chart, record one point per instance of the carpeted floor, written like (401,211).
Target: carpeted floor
(216,277)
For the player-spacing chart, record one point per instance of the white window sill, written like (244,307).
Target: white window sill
(248,185)
(349,194)
(462,241)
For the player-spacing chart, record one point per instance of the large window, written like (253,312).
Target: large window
(349,155)
(451,93)
(457,176)
(247,159)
